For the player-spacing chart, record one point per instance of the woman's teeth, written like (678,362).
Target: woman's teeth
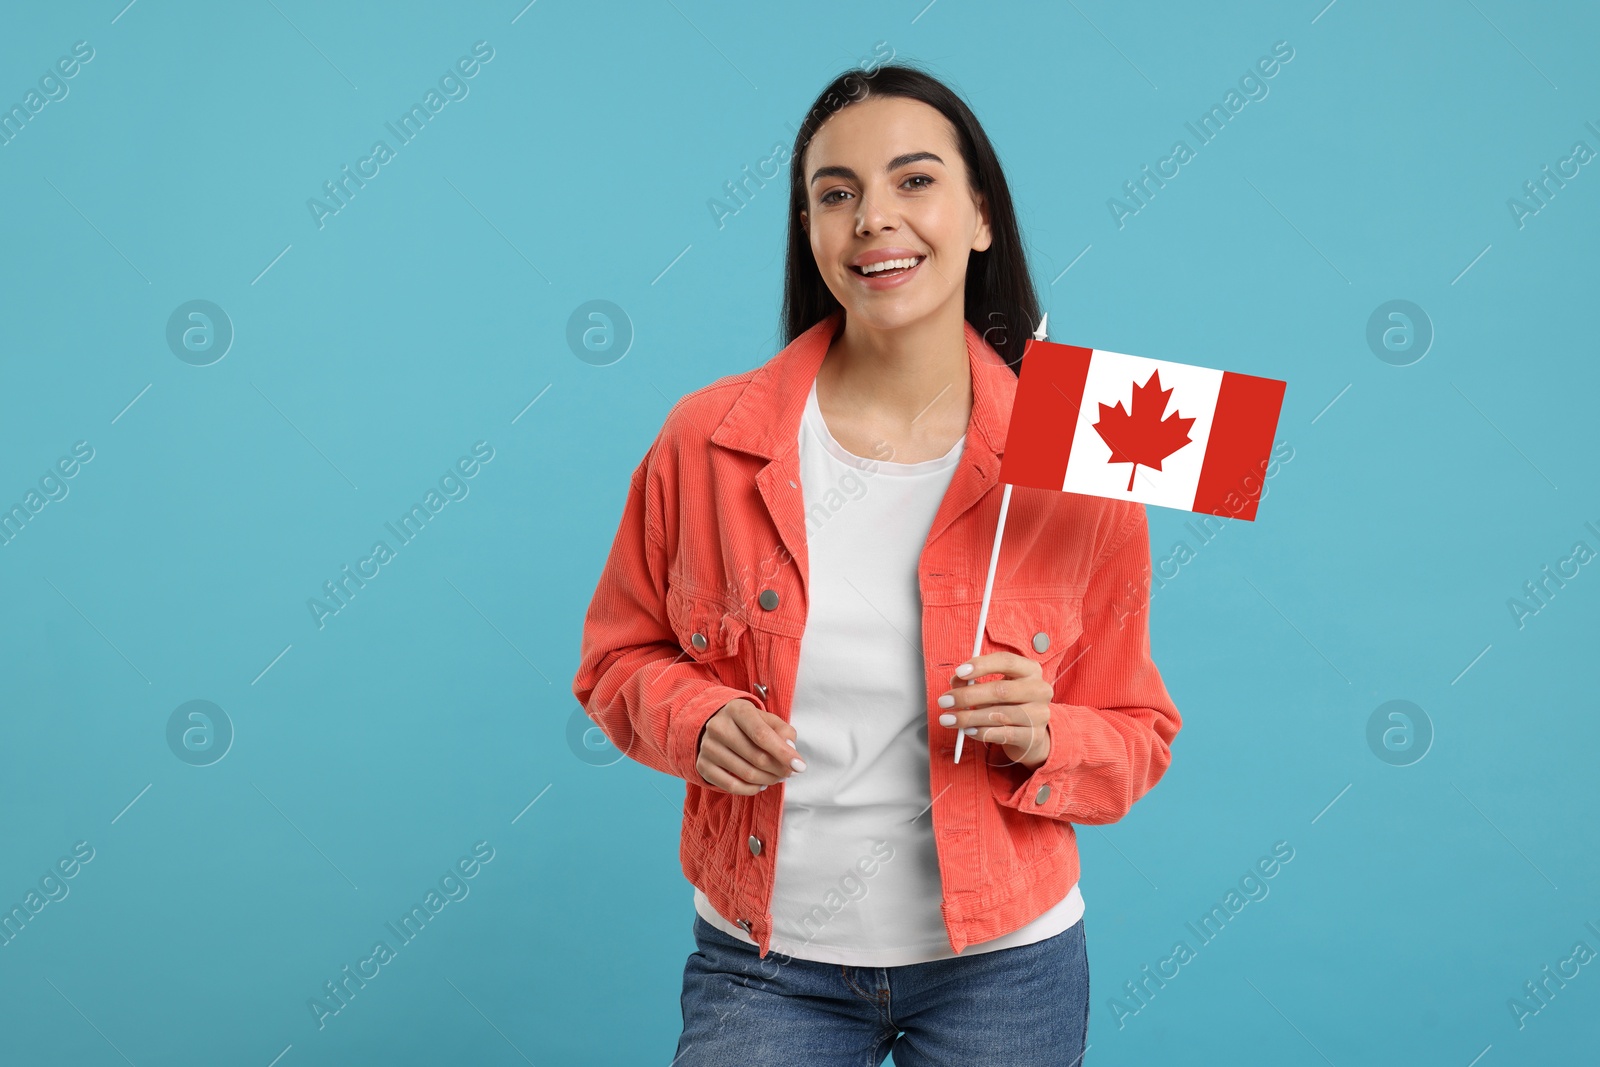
(888,265)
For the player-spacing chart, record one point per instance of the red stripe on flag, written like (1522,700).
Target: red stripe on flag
(1240,445)
(1044,414)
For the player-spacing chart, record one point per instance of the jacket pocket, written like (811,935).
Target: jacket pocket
(704,626)
(708,814)
(1038,628)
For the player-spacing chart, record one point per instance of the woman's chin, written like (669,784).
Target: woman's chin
(888,313)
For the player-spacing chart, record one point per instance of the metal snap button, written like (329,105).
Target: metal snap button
(1041,642)
(768,599)
(755,845)
(761,690)
(746,924)
(1042,795)
(699,642)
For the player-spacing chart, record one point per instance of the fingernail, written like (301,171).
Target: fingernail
(763,787)
(963,670)
(947,701)
(798,764)
(971,731)
(791,744)
(947,720)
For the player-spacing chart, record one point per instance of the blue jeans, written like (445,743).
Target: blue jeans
(1026,1006)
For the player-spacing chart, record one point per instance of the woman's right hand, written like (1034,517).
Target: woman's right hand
(744,749)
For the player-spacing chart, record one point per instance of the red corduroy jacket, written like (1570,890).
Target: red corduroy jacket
(703,600)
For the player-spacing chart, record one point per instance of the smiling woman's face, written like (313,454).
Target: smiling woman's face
(885,178)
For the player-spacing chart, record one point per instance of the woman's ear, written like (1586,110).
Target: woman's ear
(983,238)
(805,224)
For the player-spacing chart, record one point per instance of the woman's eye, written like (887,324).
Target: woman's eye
(829,197)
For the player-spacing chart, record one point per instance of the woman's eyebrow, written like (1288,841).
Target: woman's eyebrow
(894,164)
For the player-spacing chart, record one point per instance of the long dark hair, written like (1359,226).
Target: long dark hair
(1000,300)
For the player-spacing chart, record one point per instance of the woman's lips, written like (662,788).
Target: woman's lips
(889,279)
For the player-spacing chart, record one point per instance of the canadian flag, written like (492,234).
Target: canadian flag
(1130,428)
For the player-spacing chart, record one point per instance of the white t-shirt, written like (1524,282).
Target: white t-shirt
(861,716)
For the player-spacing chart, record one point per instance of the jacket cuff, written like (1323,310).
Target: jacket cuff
(1044,790)
(683,742)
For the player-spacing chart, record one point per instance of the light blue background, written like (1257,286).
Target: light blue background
(428,314)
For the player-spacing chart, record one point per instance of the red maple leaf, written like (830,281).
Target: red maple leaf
(1143,436)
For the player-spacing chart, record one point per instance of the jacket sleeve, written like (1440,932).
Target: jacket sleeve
(634,679)
(1112,722)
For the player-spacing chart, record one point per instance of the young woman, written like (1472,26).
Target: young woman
(791,601)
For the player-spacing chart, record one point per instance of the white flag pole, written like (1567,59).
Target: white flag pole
(994,559)
(988,587)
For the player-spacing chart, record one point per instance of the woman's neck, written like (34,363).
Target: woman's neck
(910,388)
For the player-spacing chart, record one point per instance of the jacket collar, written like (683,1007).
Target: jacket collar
(765,420)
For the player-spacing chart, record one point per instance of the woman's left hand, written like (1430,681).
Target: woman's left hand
(1010,711)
